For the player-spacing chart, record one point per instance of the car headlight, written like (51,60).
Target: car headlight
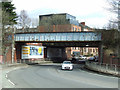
(63,65)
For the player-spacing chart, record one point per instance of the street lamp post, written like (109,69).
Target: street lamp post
(118,46)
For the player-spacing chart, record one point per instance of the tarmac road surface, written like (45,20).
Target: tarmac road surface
(51,76)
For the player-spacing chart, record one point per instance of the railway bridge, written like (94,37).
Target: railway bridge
(54,43)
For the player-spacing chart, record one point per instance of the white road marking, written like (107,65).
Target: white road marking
(6,76)
(9,79)
(11,82)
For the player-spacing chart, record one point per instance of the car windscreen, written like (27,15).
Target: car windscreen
(66,62)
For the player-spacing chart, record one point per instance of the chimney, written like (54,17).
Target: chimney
(83,23)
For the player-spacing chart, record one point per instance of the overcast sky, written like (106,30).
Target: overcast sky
(93,12)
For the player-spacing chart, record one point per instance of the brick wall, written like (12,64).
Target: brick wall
(107,59)
(58,28)
(9,55)
(68,52)
(62,28)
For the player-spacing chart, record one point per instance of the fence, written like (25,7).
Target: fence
(102,67)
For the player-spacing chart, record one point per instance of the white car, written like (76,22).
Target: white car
(83,57)
(67,65)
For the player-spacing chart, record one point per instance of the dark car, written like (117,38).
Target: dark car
(94,58)
(73,60)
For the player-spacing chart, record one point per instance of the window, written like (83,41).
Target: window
(84,49)
(73,28)
(79,29)
(93,50)
(75,48)
(96,50)
(90,50)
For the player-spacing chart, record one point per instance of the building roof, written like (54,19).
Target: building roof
(57,14)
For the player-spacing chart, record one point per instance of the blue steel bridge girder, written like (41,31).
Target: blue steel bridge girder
(58,37)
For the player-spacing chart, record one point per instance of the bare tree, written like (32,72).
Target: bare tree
(34,22)
(114,5)
(114,8)
(112,24)
(24,21)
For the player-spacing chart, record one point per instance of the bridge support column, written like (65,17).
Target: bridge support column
(64,54)
(100,52)
(45,52)
(18,51)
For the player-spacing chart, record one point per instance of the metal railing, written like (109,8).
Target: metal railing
(105,68)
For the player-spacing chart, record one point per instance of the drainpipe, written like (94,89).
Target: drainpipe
(13,46)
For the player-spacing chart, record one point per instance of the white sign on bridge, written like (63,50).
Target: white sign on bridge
(29,52)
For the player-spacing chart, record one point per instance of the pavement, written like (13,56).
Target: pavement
(0,77)
(4,69)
